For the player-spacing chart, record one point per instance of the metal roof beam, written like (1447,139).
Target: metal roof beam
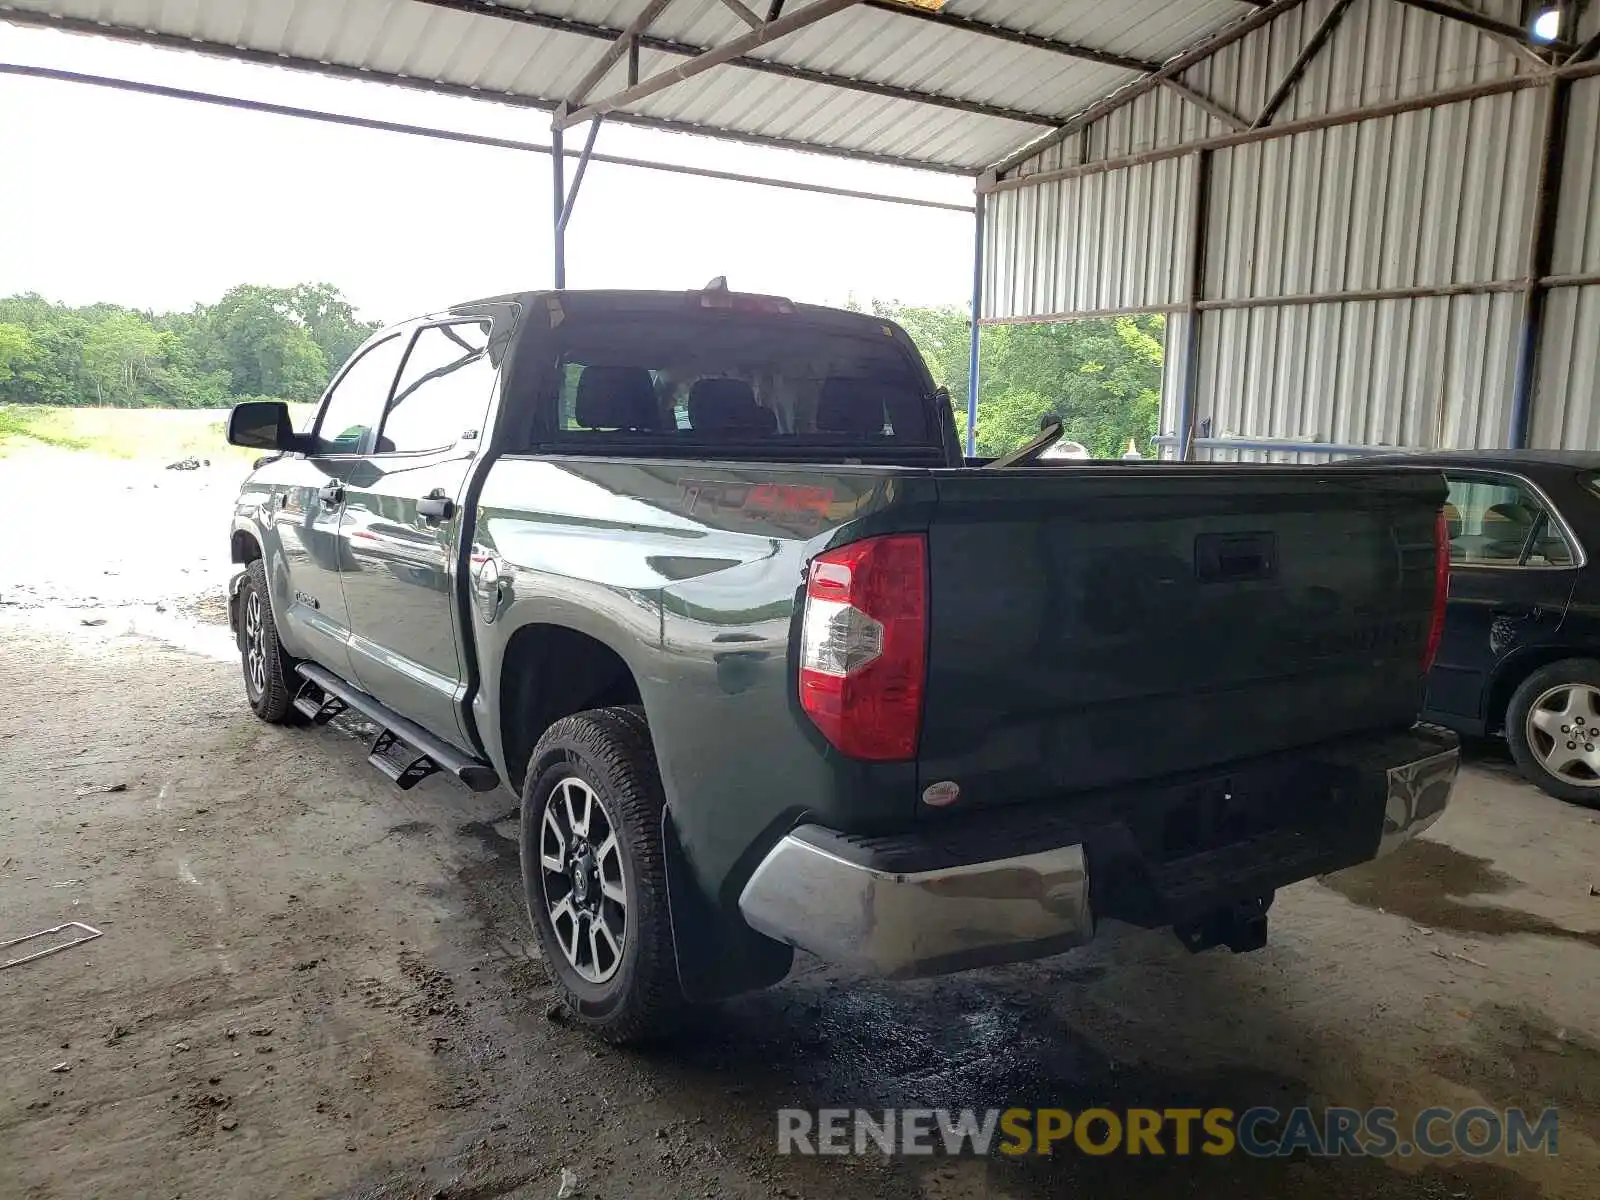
(619,46)
(1329,120)
(1478,20)
(1313,46)
(1586,51)
(817,10)
(1173,67)
(1020,37)
(764,66)
(455,135)
(743,13)
(1205,104)
(168,41)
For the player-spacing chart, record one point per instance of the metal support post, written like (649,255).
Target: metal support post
(1541,252)
(977,312)
(558,164)
(1189,396)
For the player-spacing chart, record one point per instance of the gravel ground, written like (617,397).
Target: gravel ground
(311,984)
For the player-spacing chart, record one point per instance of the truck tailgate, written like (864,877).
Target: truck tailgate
(1095,626)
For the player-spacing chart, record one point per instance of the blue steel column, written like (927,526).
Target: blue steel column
(977,311)
(558,166)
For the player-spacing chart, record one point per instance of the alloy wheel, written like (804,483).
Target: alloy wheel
(1563,731)
(585,890)
(255,648)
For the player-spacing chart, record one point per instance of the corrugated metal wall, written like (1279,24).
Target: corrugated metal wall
(1438,198)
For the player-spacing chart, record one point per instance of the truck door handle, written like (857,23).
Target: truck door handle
(436,506)
(331,495)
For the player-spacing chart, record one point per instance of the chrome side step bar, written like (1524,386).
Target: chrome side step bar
(439,754)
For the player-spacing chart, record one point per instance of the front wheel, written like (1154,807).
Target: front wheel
(594,873)
(268,671)
(1553,728)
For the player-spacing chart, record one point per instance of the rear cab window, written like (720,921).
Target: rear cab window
(697,383)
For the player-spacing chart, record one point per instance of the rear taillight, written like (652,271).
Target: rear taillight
(1441,589)
(863,646)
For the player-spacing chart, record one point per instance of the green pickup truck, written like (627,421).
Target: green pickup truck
(705,579)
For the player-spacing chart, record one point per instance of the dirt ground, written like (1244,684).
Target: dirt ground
(312,984)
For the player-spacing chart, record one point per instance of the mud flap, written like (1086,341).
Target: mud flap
(718,955)
(234,585)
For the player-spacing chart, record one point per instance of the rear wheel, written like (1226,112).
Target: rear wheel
(594,874)
(268,671)
(1553,728)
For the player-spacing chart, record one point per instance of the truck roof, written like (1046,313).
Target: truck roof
(642,299)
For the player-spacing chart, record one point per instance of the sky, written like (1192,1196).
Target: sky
(159,204)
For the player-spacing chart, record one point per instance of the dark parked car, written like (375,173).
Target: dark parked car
(1521,648)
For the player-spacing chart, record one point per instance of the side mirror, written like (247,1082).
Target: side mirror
(263,425)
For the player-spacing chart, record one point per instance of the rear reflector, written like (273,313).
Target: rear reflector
(863,646)
(1441,589)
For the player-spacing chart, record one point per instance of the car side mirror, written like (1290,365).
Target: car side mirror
(263,425)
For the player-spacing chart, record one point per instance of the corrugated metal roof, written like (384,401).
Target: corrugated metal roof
(536,51)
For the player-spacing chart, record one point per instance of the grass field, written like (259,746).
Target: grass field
(167,434)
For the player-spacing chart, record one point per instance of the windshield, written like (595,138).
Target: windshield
(704,380)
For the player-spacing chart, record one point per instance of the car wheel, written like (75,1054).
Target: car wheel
(1553,727)
(269,678)
(594,874)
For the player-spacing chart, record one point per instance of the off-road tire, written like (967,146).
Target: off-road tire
(609,749)
(273,698)
(1568,671)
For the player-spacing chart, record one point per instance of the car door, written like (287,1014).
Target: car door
(401,520)
(1513,567)
(315,619)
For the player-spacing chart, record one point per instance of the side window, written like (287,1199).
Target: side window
(444,389)
(355,405)
(1497,522)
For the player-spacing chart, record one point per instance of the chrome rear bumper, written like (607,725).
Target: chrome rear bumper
(832,896)
(924,923)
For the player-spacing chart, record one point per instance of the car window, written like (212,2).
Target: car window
(1498,522)
(354,405)
(444,389)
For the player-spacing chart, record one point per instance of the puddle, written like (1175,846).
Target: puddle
(1429,882)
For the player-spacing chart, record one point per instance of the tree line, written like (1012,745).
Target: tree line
(1102,378)
(283,343)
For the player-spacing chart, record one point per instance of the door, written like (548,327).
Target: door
(401,522)
(315,618)
(1512,571)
